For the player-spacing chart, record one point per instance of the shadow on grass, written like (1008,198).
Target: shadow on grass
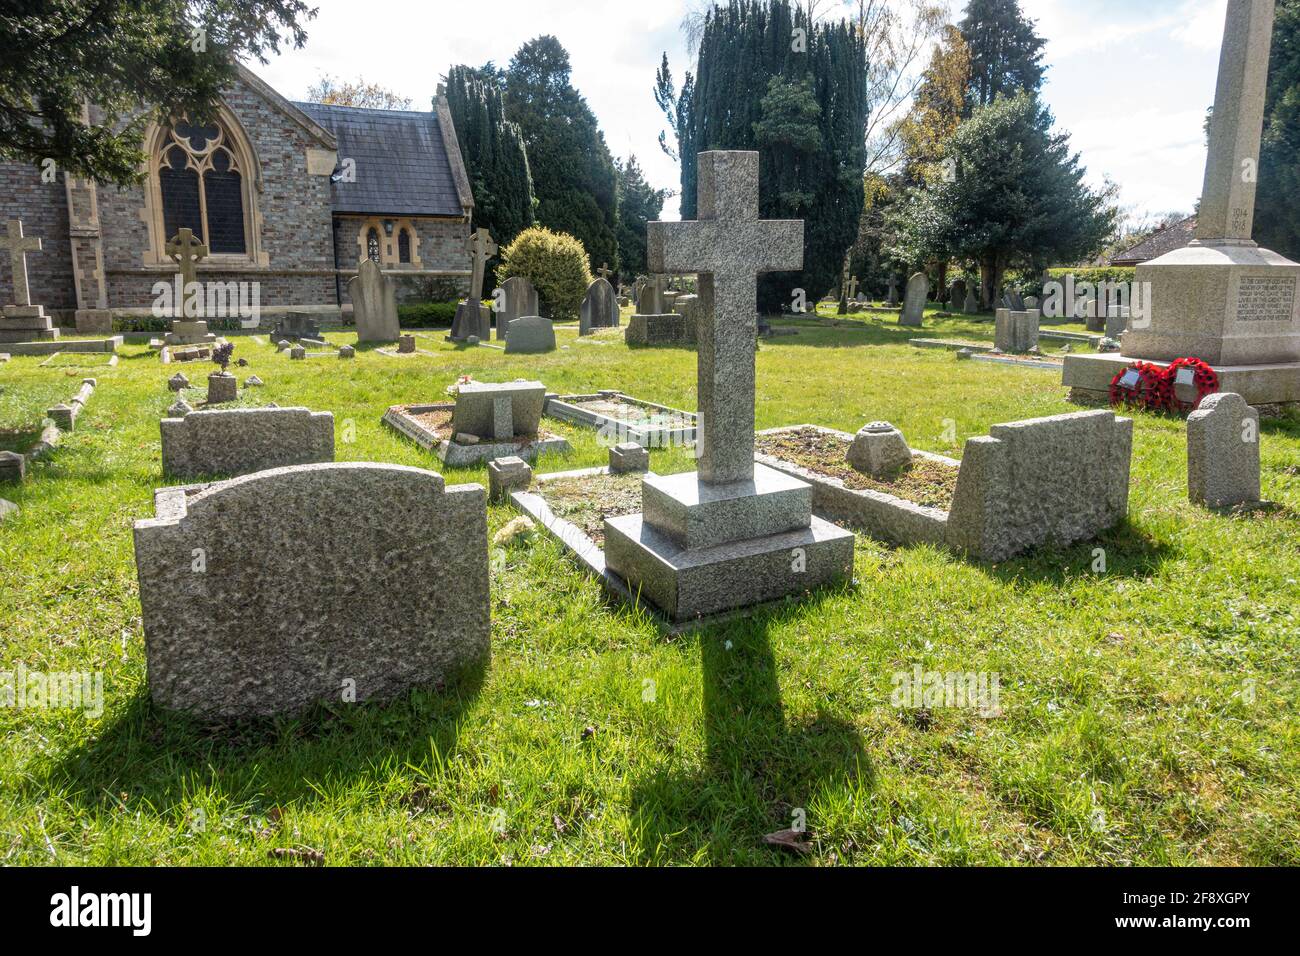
(759,767)
(164,758)
(1127,552)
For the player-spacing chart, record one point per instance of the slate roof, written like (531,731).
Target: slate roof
(402,162)
(1166,240)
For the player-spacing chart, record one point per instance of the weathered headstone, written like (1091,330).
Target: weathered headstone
(918,289)
(628,456)
(518,299)
(380,584)
(1016,332)
(406,344)
(529,335)
(891,299)
(506,475)
(237,441)
(971,305)
(480,411)
(1223,452)
(13,466)
(688,307)
(296,325)
(956,294)
(733,533)
(599,308)
(1054,480)
(23,321)
(374,303)
(651,299)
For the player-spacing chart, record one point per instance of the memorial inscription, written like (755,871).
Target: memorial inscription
(1266,299)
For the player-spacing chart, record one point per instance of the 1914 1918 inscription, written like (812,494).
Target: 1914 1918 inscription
(1266,299)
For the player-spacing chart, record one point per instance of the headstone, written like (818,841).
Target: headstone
(668,329)
(918,289)
(178,382)
(296,325)
(13,466)
(651,300)
(237,441)
(222,387)
(1056,481)
(688,307)
(519,299)
(472,320)
(879,450)
(347,352)
(22,321)
(529,335)
(732,534)
(471,316)
(599,308)
(374,303)
(298,353)
(187,327)
(628,456)
(506,475)
(479,412)
(891,299)
(1223,452)
(1116,321)
(379,585)
(1016,332)
(956,294)
(971,305)
(406,344)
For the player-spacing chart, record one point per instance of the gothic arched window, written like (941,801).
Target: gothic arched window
(202,186)
(372,244)
(404,246)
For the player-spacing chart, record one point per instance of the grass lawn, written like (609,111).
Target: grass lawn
(1148,712)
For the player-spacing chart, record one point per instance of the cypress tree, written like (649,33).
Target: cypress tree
(573,171)
(493,150)
(769,80)
(638,203)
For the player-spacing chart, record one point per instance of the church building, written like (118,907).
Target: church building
(288,195)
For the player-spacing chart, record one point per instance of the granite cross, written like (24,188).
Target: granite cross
(185,251)
(604,271)
(1227,209)
(728,247)
(482,248)
(853,287)
(18,247)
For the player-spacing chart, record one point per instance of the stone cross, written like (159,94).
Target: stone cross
(18,246)
(604,271)
(1228,198)
(482,248)
(728,246)
(853,288)
(185,251)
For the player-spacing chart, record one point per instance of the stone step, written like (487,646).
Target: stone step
(688,584)
(694,514)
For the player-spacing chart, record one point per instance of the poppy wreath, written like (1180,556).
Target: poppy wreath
(1205,378)
(1146,392)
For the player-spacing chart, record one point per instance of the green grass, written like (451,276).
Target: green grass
(1148,712)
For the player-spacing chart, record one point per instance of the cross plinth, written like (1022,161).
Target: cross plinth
(185,251)
(1227,211)
(18,246)
(482,248)
(728,247)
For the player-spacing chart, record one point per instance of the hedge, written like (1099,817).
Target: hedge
(555,263)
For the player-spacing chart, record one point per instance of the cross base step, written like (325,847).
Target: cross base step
(686,584)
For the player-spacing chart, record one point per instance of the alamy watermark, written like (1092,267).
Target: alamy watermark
(208,300)
(22,689)
(1074,300)
(919,689)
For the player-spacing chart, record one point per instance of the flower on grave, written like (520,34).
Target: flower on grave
(453,390)
(222,353)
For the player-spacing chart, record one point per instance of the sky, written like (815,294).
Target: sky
(1130,81)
